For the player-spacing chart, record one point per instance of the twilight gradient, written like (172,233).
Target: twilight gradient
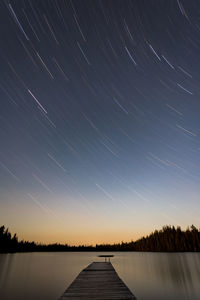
(99,118)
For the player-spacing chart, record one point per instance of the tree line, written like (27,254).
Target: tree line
(168,239)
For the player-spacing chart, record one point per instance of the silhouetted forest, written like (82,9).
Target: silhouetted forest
(168,239)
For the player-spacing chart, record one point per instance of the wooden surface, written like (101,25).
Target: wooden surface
(98,281)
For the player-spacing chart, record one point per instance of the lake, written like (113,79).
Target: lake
(148,275)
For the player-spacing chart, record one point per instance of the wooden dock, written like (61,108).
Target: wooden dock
(99,281)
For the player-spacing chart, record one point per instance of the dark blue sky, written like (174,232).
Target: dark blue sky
(99,119)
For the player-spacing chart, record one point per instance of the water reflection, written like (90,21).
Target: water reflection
(161,275)
(148,275)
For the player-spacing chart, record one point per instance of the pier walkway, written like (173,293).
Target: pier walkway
(99,281)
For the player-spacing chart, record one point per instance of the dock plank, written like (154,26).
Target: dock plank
(99,281)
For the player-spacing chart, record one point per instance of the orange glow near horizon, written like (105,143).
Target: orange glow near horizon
(77,224)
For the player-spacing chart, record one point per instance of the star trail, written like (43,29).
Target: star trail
(99,118)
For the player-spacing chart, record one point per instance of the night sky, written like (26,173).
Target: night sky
(99,118)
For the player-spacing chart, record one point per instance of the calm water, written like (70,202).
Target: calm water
(148,275)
